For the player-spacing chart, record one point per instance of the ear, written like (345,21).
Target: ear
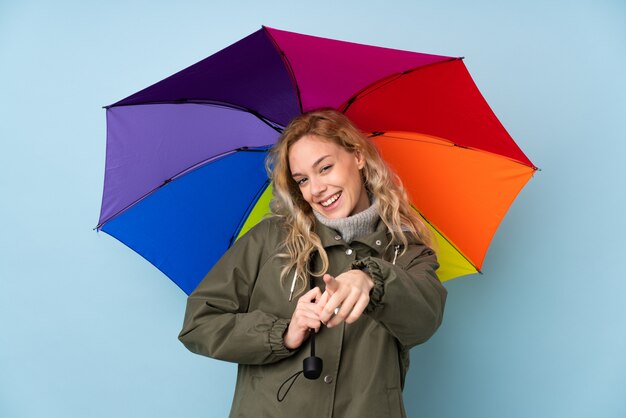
(360,159)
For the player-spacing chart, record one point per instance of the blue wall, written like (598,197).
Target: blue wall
(87,328)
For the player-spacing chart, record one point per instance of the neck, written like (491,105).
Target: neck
(354,226)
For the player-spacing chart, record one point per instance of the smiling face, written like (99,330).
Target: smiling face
(328,176)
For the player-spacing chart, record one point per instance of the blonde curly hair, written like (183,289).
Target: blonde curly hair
(380,182)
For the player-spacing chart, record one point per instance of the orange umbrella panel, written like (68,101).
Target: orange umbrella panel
(463,193)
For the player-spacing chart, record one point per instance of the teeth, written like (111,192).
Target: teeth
(331,200)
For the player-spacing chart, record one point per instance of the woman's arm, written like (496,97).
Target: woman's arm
(407,298)
(217,322)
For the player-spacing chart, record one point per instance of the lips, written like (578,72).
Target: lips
(326,203)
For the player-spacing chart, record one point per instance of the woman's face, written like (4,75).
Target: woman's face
(328,176)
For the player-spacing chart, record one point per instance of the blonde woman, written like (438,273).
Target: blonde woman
(344,257)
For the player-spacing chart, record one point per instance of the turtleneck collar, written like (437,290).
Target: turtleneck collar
(354,226)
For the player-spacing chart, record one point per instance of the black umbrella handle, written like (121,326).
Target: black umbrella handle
(312,366)
(312,336)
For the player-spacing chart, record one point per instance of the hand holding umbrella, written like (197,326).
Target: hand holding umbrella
(306,316)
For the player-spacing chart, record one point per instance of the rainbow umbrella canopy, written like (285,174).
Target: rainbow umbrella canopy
(185,157)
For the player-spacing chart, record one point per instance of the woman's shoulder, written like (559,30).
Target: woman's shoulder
(269,228)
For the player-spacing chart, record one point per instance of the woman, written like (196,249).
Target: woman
(342,219)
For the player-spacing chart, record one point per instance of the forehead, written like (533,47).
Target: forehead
(307,150)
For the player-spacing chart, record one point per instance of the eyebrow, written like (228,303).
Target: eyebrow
(315,164)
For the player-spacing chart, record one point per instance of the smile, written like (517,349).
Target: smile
(330,200)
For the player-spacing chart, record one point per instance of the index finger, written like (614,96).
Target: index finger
(331,283)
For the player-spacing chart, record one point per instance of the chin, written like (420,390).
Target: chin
(336,214)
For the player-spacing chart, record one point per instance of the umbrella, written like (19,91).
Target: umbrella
(185,177)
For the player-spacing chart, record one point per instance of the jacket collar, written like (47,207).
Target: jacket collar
(377,240)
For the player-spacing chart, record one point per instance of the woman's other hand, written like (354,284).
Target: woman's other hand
(350,292)
(306,316)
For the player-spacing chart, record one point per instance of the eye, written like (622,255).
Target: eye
(301,182)
(325,168)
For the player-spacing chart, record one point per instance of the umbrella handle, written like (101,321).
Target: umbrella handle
(312,366)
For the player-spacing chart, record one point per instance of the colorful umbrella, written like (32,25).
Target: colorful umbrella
(184,167)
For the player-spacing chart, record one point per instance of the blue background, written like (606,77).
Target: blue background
(88,328)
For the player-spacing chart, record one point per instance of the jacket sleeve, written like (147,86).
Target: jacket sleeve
(217,322)
(407,299)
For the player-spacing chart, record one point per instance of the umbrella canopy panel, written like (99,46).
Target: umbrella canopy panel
(148,145)
(463,193)
(329,73)
(187,225)
(249,74)
(440,100)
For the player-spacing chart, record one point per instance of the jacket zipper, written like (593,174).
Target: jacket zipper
(293,284)
(395,255)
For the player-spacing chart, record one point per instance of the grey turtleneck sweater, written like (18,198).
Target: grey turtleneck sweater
(354,226)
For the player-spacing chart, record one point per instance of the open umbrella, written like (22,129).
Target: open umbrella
(184,167)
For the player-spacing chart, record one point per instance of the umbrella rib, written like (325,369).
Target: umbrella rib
(180,174)
(290,71)
(386,80)
(447,240)
(386,135)
(275,126)
(215,158)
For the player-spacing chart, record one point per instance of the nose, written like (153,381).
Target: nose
(317,187)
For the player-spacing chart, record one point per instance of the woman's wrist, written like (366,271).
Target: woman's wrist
(285,342)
